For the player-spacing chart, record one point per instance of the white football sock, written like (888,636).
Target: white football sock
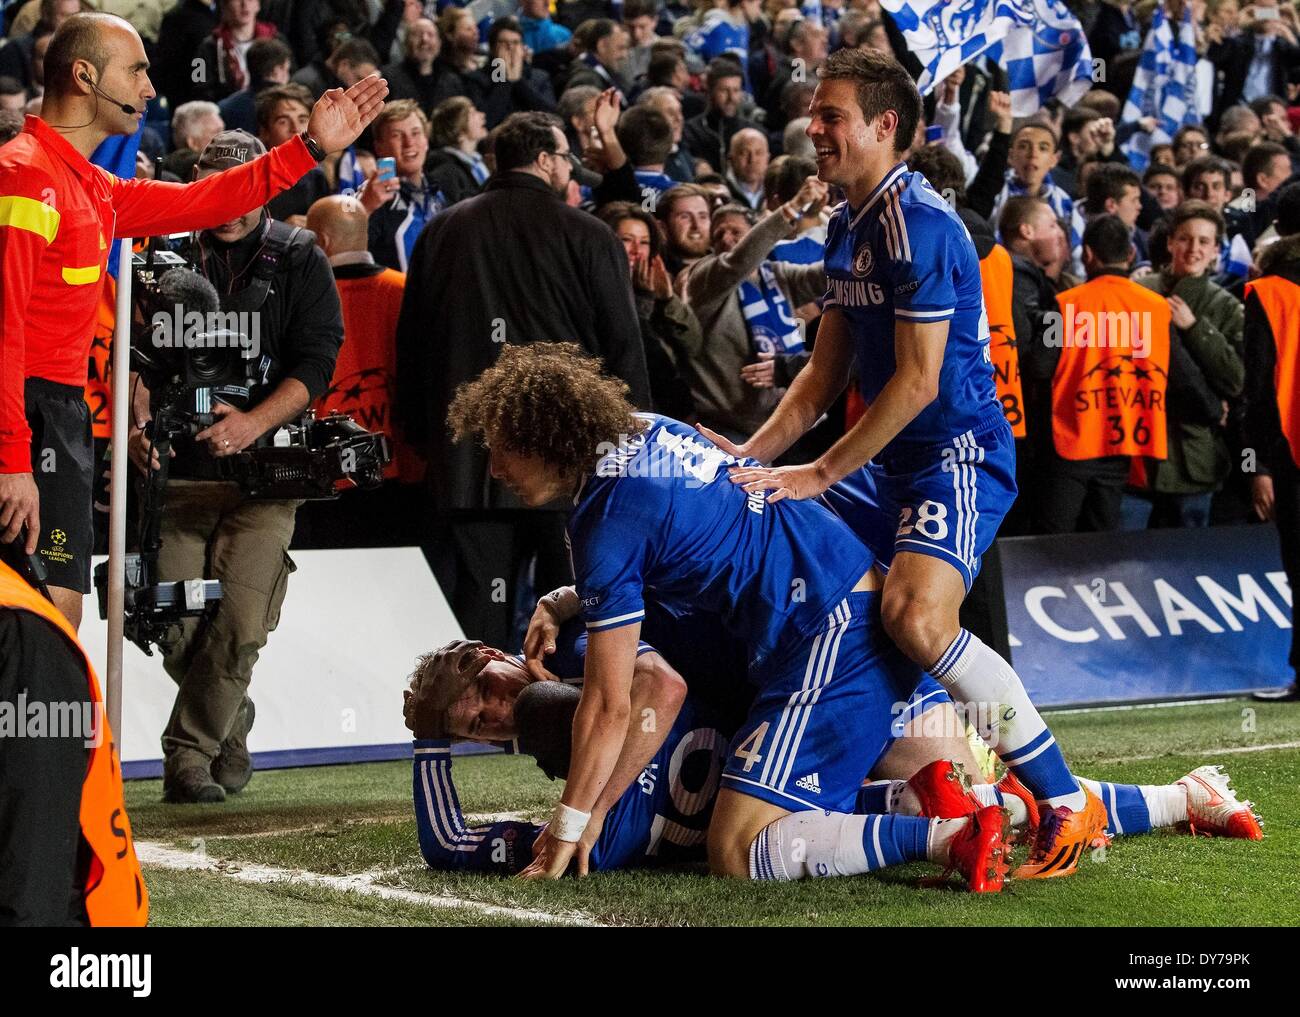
(988,794)
(975,674)
(942,832)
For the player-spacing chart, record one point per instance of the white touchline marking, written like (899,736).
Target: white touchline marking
(1238,750)
(1136,706)
(163,857)
(342,826)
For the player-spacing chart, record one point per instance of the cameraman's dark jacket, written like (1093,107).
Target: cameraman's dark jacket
(301,321)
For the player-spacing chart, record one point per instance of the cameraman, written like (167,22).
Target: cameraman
(277,275)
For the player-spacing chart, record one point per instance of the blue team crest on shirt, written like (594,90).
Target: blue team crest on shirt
(863,261)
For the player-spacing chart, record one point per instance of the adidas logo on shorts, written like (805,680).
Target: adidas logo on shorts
(809,783)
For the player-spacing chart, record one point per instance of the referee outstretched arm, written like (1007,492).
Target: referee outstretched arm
(58,217)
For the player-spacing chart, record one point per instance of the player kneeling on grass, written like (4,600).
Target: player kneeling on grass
(653,511)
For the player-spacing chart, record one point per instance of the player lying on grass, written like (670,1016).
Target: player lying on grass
(654,511)
(904,312)
(465,690)
(924,773)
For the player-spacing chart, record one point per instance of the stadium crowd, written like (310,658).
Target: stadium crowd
(689,255)
(636,178)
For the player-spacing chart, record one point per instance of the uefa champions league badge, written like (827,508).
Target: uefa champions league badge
(863,261)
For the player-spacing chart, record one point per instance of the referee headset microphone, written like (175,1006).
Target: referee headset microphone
(128,110)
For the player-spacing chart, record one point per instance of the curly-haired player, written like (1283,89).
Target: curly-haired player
(652,510)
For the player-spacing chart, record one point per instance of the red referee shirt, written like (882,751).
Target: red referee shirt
(58,217)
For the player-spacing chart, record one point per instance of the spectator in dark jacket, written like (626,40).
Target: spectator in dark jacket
(422,74)
(605,45)
(185,27)
(666,100)
(351,61)
(508,84)
(282,112)
(459,33)
(1255,63)
(708,136)
(1115,30)
(224,53)
(670,333)
(514,264)
(269,63)
(455,167)
(314,27)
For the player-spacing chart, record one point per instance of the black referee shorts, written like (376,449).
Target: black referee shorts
(63,457)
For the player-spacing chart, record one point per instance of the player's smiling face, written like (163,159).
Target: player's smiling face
(843,142)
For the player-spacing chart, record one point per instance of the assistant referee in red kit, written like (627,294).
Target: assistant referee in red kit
(59,216)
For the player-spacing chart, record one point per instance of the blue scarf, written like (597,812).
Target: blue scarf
(772,326)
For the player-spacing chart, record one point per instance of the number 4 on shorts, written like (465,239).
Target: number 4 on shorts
(748,749)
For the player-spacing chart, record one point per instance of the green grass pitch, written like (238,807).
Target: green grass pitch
(357,820)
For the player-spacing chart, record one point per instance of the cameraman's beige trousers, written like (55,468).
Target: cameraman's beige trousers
(211,530)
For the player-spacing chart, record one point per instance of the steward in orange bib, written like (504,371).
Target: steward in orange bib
(1109,386)
(996,277)
(1272,419)
(363,386)
(66,852)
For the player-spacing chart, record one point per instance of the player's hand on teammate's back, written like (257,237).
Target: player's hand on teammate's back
(20,503)
(727,446)
(339,116)
(798,482)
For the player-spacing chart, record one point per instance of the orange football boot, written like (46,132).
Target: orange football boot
(1010,785)
(1061,839)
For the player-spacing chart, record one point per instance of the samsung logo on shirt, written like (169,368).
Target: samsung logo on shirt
(856,293)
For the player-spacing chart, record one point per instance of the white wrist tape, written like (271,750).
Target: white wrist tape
(567,824)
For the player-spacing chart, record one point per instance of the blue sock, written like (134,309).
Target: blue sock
(1040,766)
(1127,812)
(892,840)
(875,798)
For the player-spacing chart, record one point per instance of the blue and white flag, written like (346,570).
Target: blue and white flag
(1164,86)
(1039,42)
(945,35)
(1047,59)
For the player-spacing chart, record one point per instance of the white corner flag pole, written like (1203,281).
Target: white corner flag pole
(118,473)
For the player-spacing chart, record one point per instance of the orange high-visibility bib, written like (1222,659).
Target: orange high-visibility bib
(996,276)
(1108,399)
(114,889)
(366,368)
(1280,299)
(99,383)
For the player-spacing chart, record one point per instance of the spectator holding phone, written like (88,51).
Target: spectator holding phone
(399,197)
